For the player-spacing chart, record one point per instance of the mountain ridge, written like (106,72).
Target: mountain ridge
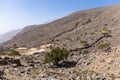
(86,21)
(7,36)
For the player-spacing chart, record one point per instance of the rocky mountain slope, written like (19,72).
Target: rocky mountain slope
(70,30)
(93,56)
(7,36)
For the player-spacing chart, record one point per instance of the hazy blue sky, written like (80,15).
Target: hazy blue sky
(16,14)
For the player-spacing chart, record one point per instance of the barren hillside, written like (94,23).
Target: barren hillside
(70,30)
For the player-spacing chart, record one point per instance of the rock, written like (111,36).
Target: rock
(111,62)
(6,71)
(8,61)
(51,78)
(71,54)
(72,78)
(1,74)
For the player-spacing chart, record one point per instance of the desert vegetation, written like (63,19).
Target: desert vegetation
(13,53)
(85,51)
(2,53)
(83,41)
(103,46)
(56,55)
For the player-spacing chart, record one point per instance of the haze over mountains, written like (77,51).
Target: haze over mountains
(7,36)
(72,29)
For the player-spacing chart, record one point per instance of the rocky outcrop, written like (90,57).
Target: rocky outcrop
(8,61)
(87,68)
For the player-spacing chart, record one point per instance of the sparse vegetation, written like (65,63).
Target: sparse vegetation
(103,46)
(76,72)
(1,53)
(85,51)
(105,32)
(83,42)
(13,53)
(81,34)
(92,33)
(56,55)
(113,75)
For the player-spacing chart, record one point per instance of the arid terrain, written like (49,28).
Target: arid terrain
(92,37)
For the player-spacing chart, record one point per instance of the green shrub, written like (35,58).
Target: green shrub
(83,42)
(13,53)
(92,33)
(1,53)
(56,55)
(85,51)
(81,34)
(103,46)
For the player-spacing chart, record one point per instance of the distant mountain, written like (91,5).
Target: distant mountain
(72,30)
(9,35)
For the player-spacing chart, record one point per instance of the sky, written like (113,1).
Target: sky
(15,14)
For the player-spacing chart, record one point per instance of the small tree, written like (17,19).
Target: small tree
(56,55)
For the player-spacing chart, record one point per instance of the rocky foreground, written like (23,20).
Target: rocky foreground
(78,66)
